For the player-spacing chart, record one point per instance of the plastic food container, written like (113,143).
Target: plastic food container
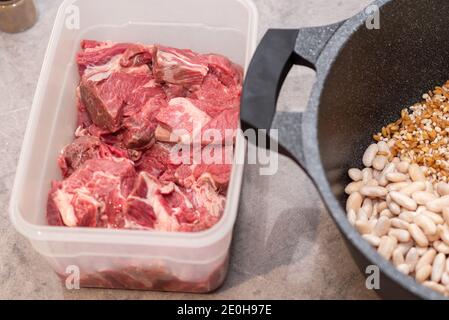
(131,259)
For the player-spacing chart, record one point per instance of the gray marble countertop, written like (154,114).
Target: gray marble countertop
(285,244)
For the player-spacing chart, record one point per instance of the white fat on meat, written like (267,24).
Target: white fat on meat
(63,202)
(171,63)
(164,220)
(207,197)
(196,117)
(104,71)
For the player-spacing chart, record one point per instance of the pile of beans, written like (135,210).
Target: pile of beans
(400,201)
(402,213)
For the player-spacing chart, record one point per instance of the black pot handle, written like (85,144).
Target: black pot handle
(278,51)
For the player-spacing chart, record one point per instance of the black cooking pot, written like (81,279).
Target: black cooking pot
(364,77)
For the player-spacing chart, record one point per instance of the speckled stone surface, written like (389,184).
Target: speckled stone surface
(285,244)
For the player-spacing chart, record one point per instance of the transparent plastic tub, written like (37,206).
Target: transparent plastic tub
(189,262)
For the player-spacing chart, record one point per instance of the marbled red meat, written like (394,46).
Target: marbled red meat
(139,108)
(94,195)
(85,148)
(179,67)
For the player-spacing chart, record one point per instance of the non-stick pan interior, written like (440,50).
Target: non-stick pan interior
(376,74)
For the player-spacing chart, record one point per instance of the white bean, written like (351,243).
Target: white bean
(413,187)
(363,227)
(423,197)
(433,237)
(443,231)
(402,167)
(396,177)
(355,174)
(441,247)
(423,273)
(438,267)
(422,250)
(436,218)
(382,206)
(369,155)
(373,192)
(405,247)
(386,213)
(372,223)
(383,147)
(426,224)
(354,187)
(396,186)
(404,268)
(352,217)
(367,206)
(437,205)
(427,258)
(443,189)
(406,216)
(416,173)
(372,239)
(446,215)
(394,208)
(445,279)
(387,246)
(429,187)
(354,202)
(418,235)
(379,162)
(382,226)
(398,257)
(420,210)
(375,210)
(403,200)
(412,258)
(400,234)
(362,215)
(367,175)
(383,177)
(399,223)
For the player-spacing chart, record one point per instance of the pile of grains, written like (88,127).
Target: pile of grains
(421,135)
(400,201)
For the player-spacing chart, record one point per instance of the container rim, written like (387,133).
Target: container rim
(123,236)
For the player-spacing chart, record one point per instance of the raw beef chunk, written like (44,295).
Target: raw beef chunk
(213,97)
(94,195)
(227,72)
(105,100)
(96,53)
(180,118)
(139,127)
(157,160)
(169,207)
(225,124)
(83,149)
(179,67)
(154,144)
